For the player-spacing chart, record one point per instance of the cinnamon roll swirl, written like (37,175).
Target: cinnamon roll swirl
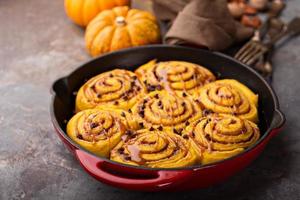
(97,130)
(115,89)
(229,97)
(174,76)
(218,137)
(161,110)
(154,149)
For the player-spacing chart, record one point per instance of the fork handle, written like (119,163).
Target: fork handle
(282,34)
(278,37)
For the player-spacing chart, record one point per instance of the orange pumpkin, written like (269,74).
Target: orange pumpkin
(121,28)
(83,11)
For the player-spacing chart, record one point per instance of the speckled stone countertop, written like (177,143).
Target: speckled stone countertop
(38,44)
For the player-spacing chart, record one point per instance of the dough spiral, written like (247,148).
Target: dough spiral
(229,97)
(98,130)
(116,89)
(174,76)
(218,137)
(161,110)
(154,149)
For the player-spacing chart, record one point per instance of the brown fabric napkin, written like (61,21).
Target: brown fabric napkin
(167,10)
(201,23)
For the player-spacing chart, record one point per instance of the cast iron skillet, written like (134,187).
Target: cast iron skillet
(146,179)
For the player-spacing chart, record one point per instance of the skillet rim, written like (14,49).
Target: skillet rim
(276,108)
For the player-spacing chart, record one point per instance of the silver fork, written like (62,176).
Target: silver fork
(252,51)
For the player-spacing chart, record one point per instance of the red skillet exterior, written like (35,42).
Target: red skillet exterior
(145,179)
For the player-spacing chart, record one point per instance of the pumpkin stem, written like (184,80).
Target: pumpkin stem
(120,20)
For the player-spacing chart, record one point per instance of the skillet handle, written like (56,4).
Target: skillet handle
(60,89)
(59,85)
(277,122)
(135,178)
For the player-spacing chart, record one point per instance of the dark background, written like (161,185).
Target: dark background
(38,44)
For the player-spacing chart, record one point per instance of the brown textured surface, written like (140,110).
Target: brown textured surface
(39,44)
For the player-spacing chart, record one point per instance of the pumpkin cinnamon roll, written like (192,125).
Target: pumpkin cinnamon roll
(174,76)
(161,110)
(218,137)
(229,97)
(97,130)
(115,89)
(154,149)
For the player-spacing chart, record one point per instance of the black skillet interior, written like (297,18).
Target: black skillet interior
(222,66)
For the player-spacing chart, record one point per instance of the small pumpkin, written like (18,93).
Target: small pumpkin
(121,28)
(83,11)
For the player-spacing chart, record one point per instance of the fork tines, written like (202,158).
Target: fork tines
(251,52)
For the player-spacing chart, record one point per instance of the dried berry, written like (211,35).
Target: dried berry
(159,103)
(129,132)
(207,136)
(121,150)
(175,131)
(142,113)
(180,130)
(185,137)
(127,158)
(93,125)
(206,112)
(159,87)
(141,124)
(150,88)
(193,134)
